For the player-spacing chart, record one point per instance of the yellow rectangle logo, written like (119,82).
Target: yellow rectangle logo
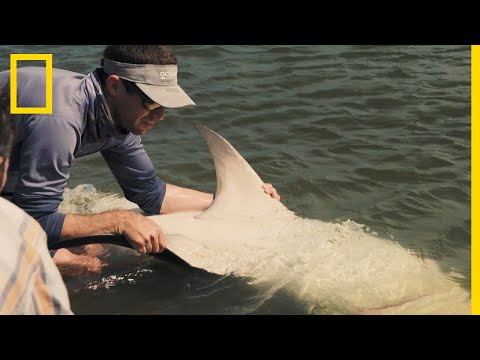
(48,109)
(475,99)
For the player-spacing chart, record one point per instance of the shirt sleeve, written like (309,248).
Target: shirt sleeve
(44,168)
(135,174)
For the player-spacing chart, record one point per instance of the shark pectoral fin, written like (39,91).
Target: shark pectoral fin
(239,188)
(185,247)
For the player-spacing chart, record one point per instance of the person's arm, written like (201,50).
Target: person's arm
(179,199)
(48,145)
(135,174)
(43,162)
(41,166)
(145,235)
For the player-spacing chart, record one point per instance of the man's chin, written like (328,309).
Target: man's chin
(143,129)
(139,131)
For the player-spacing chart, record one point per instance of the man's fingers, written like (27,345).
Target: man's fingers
(155,244)
(145,235)
(275,195)
(141,249)
(270,190)
(267,188)
(162,242)
(148,245)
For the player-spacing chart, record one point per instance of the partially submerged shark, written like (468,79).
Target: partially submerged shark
(326,265)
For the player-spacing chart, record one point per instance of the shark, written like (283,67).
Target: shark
(335,266)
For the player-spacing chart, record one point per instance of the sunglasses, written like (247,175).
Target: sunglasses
(148,103)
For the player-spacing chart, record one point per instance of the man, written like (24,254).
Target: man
(30,283)
(106,111)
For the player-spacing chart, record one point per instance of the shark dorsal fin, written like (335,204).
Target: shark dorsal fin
(239,188)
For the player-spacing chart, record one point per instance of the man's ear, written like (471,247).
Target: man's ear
(1,161)
(113,85)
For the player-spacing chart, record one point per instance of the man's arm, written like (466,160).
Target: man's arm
(40,168)
(41,165)
(179,199)
(48,144)
(145,235)
(134,171)
(138,179)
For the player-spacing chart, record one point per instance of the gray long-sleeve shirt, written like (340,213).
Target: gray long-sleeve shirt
(81,124)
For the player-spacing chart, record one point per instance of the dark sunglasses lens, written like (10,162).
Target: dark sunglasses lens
(147,102)
(151,105)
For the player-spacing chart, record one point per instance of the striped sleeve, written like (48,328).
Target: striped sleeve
(30,282)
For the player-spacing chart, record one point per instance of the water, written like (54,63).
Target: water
(379,135)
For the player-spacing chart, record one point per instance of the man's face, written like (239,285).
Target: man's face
(129,111)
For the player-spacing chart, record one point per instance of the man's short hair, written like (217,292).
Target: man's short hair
(141,54)
(6,123)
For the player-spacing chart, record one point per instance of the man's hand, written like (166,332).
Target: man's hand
(145,235)
(72,265)
(270,190)
(97,250)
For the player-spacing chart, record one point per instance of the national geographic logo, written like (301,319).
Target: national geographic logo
(14,58)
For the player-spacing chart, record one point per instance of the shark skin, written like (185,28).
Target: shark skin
(328,266)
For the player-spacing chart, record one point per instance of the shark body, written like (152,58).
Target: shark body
(247,233)
(339,267)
